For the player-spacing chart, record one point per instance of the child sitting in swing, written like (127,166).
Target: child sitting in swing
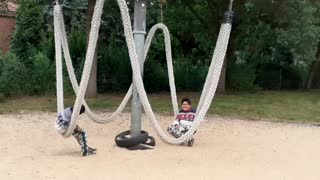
(183,121)
(79,134)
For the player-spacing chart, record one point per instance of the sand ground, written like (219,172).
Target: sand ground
(224,149)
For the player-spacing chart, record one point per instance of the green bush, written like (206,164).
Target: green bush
(26,38)
(77,47)
(13,76)
(189,77)
(114,70)
(241,77)
(42,75)
(115,74)
(155,77)
(2,97)
(272,76)
(16,79)
(47,46)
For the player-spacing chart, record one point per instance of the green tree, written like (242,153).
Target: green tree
(4,5)
(29,25)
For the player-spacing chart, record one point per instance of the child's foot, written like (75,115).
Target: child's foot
(87,152)
(85,149)
(92,149)
(190,142)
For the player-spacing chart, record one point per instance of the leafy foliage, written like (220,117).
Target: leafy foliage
(273,45)
(29,25)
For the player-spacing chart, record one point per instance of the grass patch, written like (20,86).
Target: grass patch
(300,106)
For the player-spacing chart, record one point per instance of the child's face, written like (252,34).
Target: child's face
(186,106)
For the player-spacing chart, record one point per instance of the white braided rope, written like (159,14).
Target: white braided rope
(209,91)
(58,55)
(168,50)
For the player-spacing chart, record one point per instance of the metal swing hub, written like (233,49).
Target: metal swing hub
(136,136)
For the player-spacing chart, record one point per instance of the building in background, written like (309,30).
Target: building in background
(7,25)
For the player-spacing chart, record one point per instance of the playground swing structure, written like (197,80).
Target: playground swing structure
(62,50)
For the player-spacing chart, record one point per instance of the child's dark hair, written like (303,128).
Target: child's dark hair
(81,110)
(186,100)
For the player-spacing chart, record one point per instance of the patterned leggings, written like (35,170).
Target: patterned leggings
(78,135)
(81,136)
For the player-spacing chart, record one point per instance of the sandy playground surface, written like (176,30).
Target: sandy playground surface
(224,149)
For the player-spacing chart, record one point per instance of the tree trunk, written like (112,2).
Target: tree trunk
(92,85)
(314,69)
(222,81)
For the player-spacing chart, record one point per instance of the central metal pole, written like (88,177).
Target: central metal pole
(139,32)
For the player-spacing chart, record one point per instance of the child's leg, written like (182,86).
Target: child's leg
(174,130)
(77,135)
(80,136)
(191,140)
(78,129)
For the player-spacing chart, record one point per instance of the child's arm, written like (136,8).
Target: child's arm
(176,122)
